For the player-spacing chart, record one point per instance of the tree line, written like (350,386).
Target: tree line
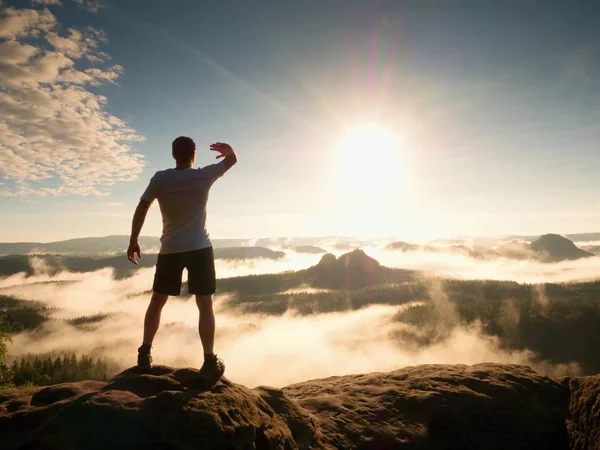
(44,370)
(41,370)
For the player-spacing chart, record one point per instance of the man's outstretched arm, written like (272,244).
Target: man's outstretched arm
(136,227)
(227,152)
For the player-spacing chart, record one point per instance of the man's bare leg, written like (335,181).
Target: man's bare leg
(152,319)
(206,324)
(213,368)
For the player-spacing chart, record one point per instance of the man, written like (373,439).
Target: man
(182,194)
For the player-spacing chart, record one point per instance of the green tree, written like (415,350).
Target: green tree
(6,374)
(4,339)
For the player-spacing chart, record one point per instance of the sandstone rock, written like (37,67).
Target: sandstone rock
(163,409)
(59,392)
(484,406)
(583,423)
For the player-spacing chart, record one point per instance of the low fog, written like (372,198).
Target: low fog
(274,350)
(444,263)
(461,266)
(291,261)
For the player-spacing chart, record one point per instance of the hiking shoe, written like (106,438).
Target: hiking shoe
(213,368)
(144,360)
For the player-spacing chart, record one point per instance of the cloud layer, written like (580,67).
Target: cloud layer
(56,136)
(462,266)
(258,349)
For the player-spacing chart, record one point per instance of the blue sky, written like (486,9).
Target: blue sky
(493,105)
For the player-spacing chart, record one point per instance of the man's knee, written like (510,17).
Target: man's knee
(158,300)
(204,302)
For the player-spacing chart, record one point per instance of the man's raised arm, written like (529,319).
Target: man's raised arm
(225,151)
(136,227)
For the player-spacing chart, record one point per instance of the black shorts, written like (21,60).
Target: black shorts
(200,265)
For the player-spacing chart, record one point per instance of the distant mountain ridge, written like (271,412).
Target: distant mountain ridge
(118,244)
(52,264)
(96,245)
(549,247)
(311,249)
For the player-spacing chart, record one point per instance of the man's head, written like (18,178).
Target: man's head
(184,149)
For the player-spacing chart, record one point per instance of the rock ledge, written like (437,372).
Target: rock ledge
(484,406)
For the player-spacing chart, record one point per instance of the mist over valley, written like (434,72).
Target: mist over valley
(286,316)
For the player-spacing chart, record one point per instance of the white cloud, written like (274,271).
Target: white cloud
(15,53)
(109,76)
(75,45)
(112,204)
(56,137)
(90,5)
(16,23)
(47,2)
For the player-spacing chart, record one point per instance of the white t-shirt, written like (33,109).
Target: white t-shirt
(182,196)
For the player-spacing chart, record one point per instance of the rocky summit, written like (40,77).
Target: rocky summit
(558,248)
(484,406)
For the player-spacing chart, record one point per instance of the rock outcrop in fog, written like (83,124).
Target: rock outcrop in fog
(423,407)
(353,270)
(558,248)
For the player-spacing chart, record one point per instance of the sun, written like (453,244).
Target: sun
(368,161)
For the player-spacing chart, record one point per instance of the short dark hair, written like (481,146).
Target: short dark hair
(184,148)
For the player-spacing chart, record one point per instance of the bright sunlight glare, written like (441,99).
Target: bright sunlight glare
(368,161)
